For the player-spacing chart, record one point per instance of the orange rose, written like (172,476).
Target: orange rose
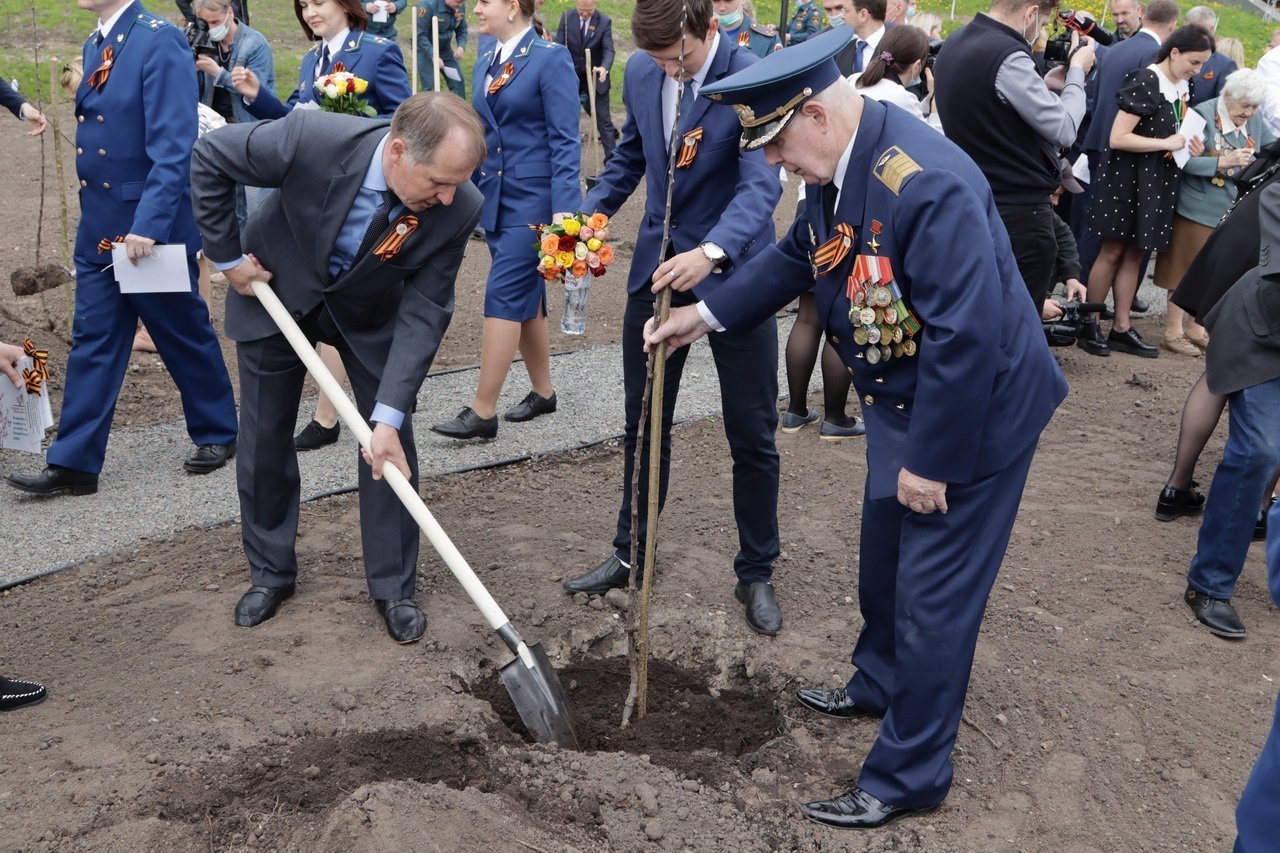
(606,254)
(550,244)
(598,221)
(579,269)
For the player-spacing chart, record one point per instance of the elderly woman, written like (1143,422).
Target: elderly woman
(1234,129)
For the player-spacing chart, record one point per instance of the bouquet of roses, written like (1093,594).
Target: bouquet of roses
(340,93)
(574,245)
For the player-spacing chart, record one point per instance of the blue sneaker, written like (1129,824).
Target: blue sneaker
(832,432)
(795,423)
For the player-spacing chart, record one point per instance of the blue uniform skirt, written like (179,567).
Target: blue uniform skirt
(514,290)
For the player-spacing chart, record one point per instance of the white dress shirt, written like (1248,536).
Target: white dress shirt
(670,89)
(504,52)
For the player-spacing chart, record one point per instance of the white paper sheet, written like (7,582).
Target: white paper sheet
(1193,125)
(380,16)
(23,417)
(163,271)
(452,73)
(1080,168)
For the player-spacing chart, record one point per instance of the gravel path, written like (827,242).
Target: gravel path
(145,493)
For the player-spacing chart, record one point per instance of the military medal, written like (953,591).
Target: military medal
(873,334)
(885,352)
(873,355)
(873,244)
(689,149)
(897,349)
(890,316)
(866,316)
(909,347)
(860,336)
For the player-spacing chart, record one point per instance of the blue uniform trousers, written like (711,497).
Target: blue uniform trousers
(1258,815)
(923,582)
(747,366)
(271,378)
(105,323)
(1251,455)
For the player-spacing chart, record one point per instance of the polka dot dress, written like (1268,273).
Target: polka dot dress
(1136,194)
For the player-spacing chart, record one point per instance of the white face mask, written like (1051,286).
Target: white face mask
(836,20)
(219,32)
(1035,30)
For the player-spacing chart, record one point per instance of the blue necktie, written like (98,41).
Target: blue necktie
(495,68)
(322,66)
(857,55)
(686,103)
(377,224)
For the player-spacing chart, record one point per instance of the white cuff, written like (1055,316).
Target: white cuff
(707,317)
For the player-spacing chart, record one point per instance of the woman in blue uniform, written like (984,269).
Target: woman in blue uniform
(338,27)
(526,93)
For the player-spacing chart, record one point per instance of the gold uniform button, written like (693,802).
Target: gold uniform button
(106,186)
(102,152)
(880,379)
(499,149)
(835,340)
(499,173)
(900,405)
(80,119)
(79,150)
(869,400)
(101,119)
(84,184)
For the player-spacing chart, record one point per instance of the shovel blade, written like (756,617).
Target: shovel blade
(539,698)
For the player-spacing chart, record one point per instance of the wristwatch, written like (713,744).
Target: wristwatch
(715,254)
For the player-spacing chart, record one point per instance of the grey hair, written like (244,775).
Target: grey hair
(210,5)
(1245,86)
(1201,16)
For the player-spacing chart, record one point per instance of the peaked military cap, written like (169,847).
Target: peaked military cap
(766,94)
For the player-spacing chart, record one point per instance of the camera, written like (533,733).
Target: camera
(935,45)
(197,33)
(1075,22)
(1063,331)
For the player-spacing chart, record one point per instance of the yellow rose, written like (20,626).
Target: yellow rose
(572,227)
(361,86)
(564,259)
(593,244)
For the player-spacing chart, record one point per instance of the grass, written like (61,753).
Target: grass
(56,29)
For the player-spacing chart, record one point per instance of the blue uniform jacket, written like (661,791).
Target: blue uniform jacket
(134,135)
(387,28)
(805,21)
(10,99)
(452,26)
(982,384)
(760,39)
(371,58)
(534,154)
(1212,77)
(725,196)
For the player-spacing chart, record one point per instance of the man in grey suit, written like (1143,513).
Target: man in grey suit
(1242,363)
(361,242)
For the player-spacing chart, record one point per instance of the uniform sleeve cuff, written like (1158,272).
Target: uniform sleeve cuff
(384,414)
(707,317)
(223,266)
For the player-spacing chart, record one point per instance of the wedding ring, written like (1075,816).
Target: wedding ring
(672,273)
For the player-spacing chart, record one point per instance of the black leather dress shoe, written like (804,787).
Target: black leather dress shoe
(832,703)
(313,436)
(259,604)
(16,693)
(468,425)
(1131,342)
(1216,614)
(209,457)
(763,613)
(530,407)
(1090,338)
(1174,502)
(55,480)
(856,809)
(406,623)
(611,574)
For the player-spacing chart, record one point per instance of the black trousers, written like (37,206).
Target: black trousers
(1035,245)
(600,110)
(747,365)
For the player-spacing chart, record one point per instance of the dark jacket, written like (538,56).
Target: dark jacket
(599,41)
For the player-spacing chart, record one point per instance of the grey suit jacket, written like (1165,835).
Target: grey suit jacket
(392,313)
(1244,347)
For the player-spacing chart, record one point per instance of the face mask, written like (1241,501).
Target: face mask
(730,19)
(219,32)
(911,11)
(1035,31)
(836,20)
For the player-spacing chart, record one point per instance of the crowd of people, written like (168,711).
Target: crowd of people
(950,188)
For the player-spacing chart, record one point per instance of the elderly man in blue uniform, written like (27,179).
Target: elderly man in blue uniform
(451,16)
(805,21)
(712,235)
(136,123)
(920,295)
(737,26)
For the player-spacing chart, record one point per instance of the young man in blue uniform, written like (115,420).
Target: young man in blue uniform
(135,125)
(805,21)
(737,26)
(713,233)
(920,295)
(451,16)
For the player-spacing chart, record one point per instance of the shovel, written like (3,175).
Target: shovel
(530,679)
